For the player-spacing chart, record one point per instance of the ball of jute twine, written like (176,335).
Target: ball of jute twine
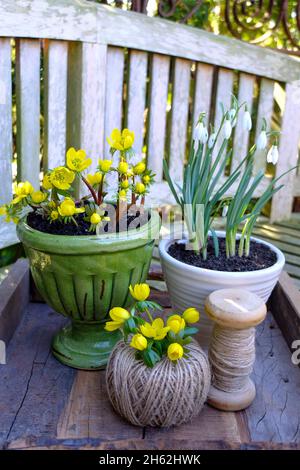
(231,355)
(166,395)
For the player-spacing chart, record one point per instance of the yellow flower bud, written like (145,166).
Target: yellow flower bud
(2,210)
(95,218)
(105,165)
(67,208)
(140,292)
(119,314)
(94,179)
(47,183)
(112,325)
(175,351)
(54,215)
(191,315)
(146,179)
(139,188)
(139,342)
(176,323)
(123,195)
(125,184)
(139,168)
(38,197)
(123,167)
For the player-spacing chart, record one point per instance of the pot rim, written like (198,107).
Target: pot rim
(69,244)
(165,243)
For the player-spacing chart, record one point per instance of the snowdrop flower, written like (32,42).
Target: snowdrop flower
(262,141)
(247,121)
(211,140)
(273,155)
(224,211)
(227,129)
(201,133)
(232,116)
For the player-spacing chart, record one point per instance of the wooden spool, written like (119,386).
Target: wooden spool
(233,310)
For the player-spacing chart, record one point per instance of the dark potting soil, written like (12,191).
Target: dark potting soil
(37,222)
(260,257)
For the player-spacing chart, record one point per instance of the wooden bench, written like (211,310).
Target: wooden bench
(80,69)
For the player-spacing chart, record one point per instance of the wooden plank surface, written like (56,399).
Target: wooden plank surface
(158,114)
(5,122)
(203,90)
(90,22)
(265,110)
(137,81)
(288,153)
(28,110)
(55,103)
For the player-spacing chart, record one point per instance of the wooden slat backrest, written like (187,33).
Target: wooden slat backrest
(106,68)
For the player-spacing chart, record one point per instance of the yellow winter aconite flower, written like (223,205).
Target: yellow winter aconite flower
(176,323)
(146,179)
(139,168)
(123,195)
(22,190)
(139,342)
(2,210)
(47,183)
(38,197)
(191,315)
(94,179)
(95,218)
(105,165)
(121,140)
(156,330)
(77,161)
(125,184)
(140,292)
(119,314)
(140,188)
(123,167)
(67,208)
(61,177)
(54,215)
(175,351)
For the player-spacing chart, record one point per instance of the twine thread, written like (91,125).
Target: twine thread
(231,355)
(167,394)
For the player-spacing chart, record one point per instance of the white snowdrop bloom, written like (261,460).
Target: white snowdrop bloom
(273,155)
(201,133)
(247,121)
(211,140)
(262,141)
(224,211)
(227,129)
(232,116)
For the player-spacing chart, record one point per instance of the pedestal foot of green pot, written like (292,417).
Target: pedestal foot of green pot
(84,345)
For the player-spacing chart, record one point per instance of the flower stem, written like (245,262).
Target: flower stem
(92,191)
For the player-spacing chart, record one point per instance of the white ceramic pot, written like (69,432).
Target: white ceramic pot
(189,286)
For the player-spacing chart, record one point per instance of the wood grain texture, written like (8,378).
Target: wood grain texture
(137,97)
(79,20)
(158,113)
(265,110)
(274,415)
(14,297)
(288,153)
(241,137)
(203,90)
(5,122)
(55,103)
(34,386)
(28,110)
(92,417)
(180,106)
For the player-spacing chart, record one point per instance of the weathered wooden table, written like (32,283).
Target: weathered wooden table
(44,404)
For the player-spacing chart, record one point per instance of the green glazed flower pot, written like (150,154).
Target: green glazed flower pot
(83,277)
